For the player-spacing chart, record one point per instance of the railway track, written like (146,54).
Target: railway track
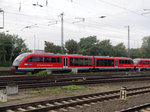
(24,84)
(73,102)
(141,108)
(102,73)
(9,73)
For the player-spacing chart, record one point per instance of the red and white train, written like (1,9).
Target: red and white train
(142,64)
(42,61)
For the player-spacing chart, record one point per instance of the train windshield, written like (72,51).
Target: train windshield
(19,59)
(136,61)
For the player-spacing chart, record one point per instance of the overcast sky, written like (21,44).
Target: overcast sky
(43,27)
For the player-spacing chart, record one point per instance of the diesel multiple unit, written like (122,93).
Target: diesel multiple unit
(43,61)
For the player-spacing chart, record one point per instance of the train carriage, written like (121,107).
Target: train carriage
(125,63)
(113,63)
(43,61)
(104,63)
(141,64)
(34,61)
(80,62)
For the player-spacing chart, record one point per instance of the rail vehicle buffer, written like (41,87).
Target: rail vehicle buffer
(123,93)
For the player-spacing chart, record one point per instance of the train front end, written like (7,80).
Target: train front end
(17,61)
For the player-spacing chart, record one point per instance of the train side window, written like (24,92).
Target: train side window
(90,62)
(112,62)
(141,62)
(105,62)
(52,59)
(35,59)
(127,61)
(102,62)
(58,59)
(47,59)
(147,62)
(98,62)
(119,61)
(29,59)
(80,62)
(71,61)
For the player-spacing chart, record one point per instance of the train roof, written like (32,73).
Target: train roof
(141,59)
(29,53)
(113,57)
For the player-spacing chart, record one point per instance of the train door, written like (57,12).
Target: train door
(116,63)
(65,62)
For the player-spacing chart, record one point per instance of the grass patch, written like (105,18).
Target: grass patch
(125,100)
(19,98)
(73,87)
(107,86)
(71,94)
(57,90)
(3,103)
(34,91)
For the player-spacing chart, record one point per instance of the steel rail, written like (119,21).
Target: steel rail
(48,83)
(53,104)
(136,108)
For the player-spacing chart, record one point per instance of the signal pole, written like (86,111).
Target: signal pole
(2,11)
(34,43)
(128,41)
(62,32)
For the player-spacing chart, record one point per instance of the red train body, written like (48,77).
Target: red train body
(35,61)
(142,64)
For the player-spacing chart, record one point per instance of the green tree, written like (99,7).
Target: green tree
(18,47)
(87,44)
(119,50)
(10,47)
(105,48)
(135,53)
(57,49)
(50,47)
(146,47)
(71,47)
(94,50)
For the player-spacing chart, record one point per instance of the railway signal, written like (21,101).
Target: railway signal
(123,93)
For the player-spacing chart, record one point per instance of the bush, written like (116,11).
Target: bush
(5,64)
(29,73)
(71,72)
(42,73)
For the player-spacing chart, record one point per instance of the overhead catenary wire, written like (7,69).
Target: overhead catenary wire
(129,10)
(89,24)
